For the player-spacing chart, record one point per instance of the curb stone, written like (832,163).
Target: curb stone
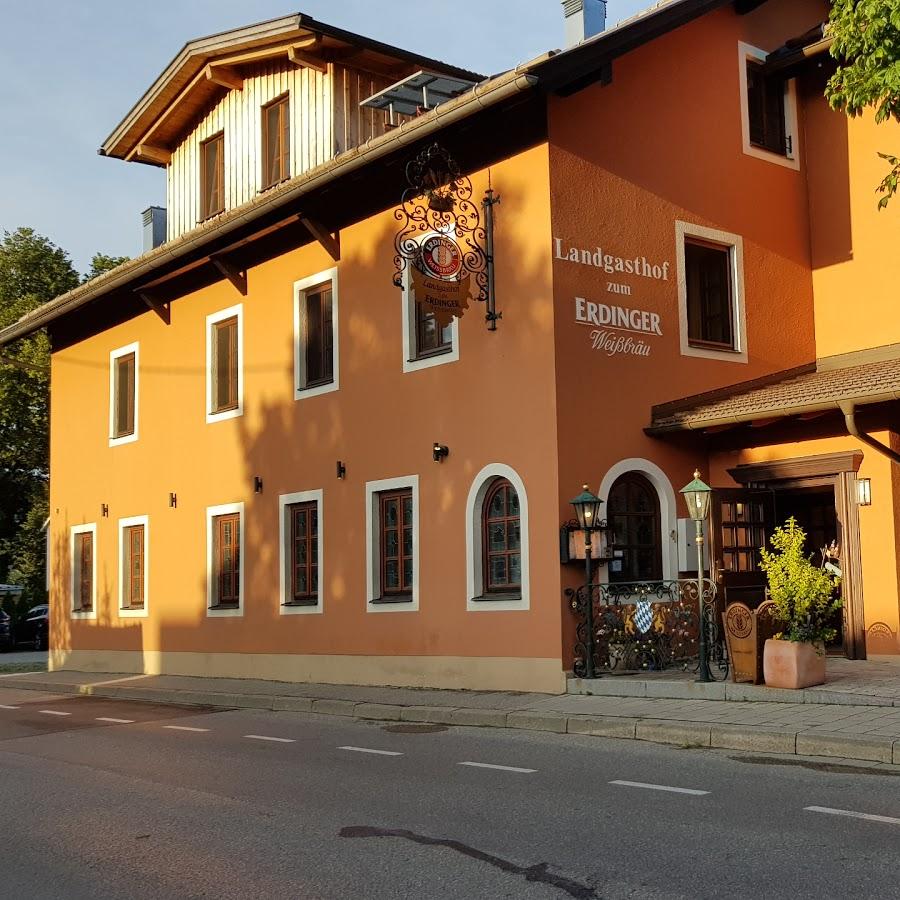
(731,737)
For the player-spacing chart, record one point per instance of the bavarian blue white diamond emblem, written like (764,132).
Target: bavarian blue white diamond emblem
(643,616)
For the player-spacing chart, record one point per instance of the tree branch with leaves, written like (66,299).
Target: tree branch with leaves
(866,44)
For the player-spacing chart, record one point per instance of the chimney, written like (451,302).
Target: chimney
(154,218)
(584,19)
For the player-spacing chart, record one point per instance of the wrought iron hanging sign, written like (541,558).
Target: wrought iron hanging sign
(441,241)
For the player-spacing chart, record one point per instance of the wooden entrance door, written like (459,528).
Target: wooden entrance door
(742,520)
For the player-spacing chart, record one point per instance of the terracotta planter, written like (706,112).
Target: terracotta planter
(788,664)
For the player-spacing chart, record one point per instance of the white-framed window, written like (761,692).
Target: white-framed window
(316,350)
(711,315)
(392,544)
(497,557)
(768,111)
(301,553)
(225,560)
(225,364)
(425,342)
(83,554)
(134,566)
(124,375)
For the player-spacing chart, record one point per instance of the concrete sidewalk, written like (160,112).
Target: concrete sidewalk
(845,730)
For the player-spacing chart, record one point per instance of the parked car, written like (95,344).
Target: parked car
(6,635)
(34,628)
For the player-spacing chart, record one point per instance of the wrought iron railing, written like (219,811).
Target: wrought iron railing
(638,627)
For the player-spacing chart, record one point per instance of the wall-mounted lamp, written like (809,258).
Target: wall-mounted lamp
(439,452)
(173,500)
(104,510)
(257,484)
(864,491)
(341,470)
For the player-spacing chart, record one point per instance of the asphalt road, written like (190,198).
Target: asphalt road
(104,798)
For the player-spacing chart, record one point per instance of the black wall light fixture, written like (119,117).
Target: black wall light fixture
(439,452)
(341,470)
(173,499)
(257,484)
(104,510)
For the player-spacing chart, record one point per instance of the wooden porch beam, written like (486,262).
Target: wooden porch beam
(163,310)
(331,242)
(226,76)
(232,273)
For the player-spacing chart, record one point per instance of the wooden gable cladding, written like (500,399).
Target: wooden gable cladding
(325,120)
(238,114)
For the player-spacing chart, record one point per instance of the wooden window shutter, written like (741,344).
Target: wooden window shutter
(124,395)
(225,365)
(212,181)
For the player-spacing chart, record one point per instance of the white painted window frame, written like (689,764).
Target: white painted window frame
(211,320)
(408,322)
(123,524)
(791,160)
(211,513)
(284,555)
(113,356)
(373,544)
(91,528)
(475,541)
(301,288)
(668,509)
(734,243)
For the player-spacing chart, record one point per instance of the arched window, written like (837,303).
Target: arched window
(502,542)
(633,513)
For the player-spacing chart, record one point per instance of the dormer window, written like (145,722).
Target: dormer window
(276,142)
(212,176)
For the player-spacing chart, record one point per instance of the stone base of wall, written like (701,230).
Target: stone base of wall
(453,672)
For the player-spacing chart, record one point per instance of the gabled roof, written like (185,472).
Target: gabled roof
(205,67)
(862,378)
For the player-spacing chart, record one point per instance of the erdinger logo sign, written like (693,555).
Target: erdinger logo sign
(619,329)
(438,280)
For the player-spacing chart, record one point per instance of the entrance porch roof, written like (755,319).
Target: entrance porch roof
(861,378)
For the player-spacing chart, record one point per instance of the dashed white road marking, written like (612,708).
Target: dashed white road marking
(115,721)
(660,787)
(184,728)
(479,765)
(54,712)
(370,750)
(869,817)
(4,706)
(265,737)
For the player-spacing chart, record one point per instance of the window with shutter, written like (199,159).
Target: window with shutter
(212,176)
(709,288)
(124,395)
(225,365)
(227,560)
(84,569)
(133,567)
(276,142)
(765,109)
(396,544)
(304,548)
(318,336)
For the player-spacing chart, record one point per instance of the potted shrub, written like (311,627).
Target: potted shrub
(806,601)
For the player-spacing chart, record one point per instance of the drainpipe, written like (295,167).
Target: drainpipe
(849,411)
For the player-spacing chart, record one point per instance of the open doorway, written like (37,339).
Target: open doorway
(819,492)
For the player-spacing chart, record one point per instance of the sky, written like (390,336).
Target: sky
(71,69)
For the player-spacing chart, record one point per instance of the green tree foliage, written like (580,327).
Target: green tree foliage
(102,263)
(32,271)
(804,594)
(867,46)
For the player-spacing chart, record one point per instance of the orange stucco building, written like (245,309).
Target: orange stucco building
(268,460)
